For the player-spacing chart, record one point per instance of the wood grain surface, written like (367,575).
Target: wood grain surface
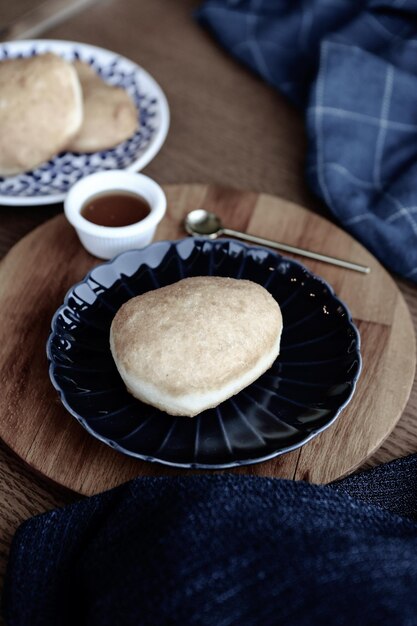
(26,19)
(227,128)
(40,269)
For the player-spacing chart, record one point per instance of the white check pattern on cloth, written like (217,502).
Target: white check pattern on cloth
(355,177)
(353,67)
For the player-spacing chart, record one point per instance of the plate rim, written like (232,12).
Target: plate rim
(139,163)
(212,466)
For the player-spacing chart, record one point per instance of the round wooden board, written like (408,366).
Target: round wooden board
(38,271)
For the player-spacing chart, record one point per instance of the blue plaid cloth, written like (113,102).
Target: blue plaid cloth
(352,66)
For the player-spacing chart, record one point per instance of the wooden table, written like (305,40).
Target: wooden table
(227,128)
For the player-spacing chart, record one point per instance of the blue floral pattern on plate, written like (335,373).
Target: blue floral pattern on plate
(303,392)
(50,182)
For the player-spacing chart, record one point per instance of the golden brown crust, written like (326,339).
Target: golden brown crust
(197,335)
(110,115)
(40,110)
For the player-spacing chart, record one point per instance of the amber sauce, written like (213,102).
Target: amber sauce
(115,209)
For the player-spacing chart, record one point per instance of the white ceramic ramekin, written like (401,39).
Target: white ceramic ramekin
(106,242)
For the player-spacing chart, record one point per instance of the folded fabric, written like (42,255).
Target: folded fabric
(352,66)
(222,550)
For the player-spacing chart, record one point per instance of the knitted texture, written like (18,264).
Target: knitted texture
(220,550)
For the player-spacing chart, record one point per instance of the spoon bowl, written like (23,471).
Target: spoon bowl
(202,223)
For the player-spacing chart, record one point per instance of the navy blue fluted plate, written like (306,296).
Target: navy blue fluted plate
(303,392)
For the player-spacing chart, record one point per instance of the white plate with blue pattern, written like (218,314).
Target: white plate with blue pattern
(50,182)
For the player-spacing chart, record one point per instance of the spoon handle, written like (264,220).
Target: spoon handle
(229,232)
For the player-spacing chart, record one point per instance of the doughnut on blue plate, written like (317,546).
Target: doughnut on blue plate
(304,391)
